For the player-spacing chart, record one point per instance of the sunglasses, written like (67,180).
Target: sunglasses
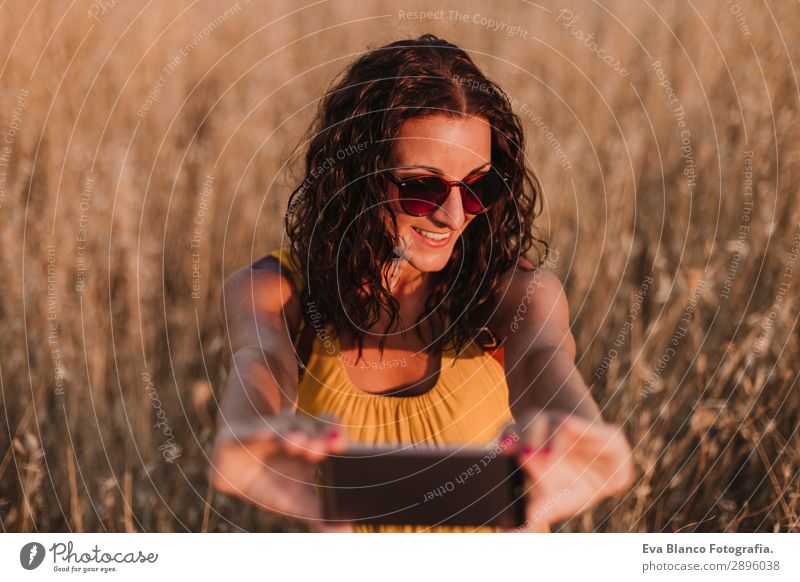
(422,195)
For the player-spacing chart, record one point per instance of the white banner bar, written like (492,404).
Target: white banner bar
(389,557)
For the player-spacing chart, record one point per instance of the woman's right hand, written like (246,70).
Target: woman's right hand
(270,461)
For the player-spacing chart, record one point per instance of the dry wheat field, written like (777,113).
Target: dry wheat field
(147,150)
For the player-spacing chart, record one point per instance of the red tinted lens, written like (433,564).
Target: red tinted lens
(483,192)
(421,196)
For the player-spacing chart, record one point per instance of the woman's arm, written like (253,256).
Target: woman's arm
(263,452)
(262,375)
(532,321)
(572,458)
(260,314)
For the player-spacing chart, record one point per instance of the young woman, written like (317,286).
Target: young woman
(404,270)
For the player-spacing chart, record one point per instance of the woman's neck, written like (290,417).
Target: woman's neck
(410,288)
(405,281)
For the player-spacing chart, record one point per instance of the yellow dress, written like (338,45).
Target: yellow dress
(467,406)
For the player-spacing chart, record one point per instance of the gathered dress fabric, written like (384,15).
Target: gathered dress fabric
(467,406)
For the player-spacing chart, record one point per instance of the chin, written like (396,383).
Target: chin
(430,260)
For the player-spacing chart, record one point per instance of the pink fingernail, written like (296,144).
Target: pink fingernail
(333,434)
(526,451)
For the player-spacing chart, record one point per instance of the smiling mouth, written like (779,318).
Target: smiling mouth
(433,238)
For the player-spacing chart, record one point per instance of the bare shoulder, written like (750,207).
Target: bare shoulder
(532,308)
(538,290)
(263,284)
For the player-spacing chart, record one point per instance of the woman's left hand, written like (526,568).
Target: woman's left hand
(571,463)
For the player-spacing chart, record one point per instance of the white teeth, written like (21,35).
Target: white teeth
(432,235)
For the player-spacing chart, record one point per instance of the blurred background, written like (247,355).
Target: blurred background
(147,150)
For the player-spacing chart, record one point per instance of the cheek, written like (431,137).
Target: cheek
(393,205)
(404,221)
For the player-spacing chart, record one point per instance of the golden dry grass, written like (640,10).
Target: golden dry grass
(714,425)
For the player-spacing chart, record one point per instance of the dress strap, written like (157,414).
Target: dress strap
(488,341)
(291,263)
(304,337)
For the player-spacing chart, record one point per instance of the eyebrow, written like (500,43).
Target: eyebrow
(437,170)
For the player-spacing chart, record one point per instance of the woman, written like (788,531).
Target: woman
(405,269)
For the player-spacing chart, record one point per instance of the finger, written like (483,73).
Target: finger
(509,444)
(241,432)
(534,525)
(536,435)
(335,442)
(311,426)
(317,449)
(280,426)
(591,428)
(525,418)
(537,462)
(300,423)
(296,443)
(328,422)
(508,439)
(595,442)
(290,428)
(539,510)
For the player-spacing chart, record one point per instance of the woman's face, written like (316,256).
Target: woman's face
(453,148)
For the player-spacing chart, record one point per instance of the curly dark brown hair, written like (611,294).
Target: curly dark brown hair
(344,233)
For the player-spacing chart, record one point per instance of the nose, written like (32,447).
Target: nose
(451,212)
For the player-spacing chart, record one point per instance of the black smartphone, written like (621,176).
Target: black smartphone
(430,486)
